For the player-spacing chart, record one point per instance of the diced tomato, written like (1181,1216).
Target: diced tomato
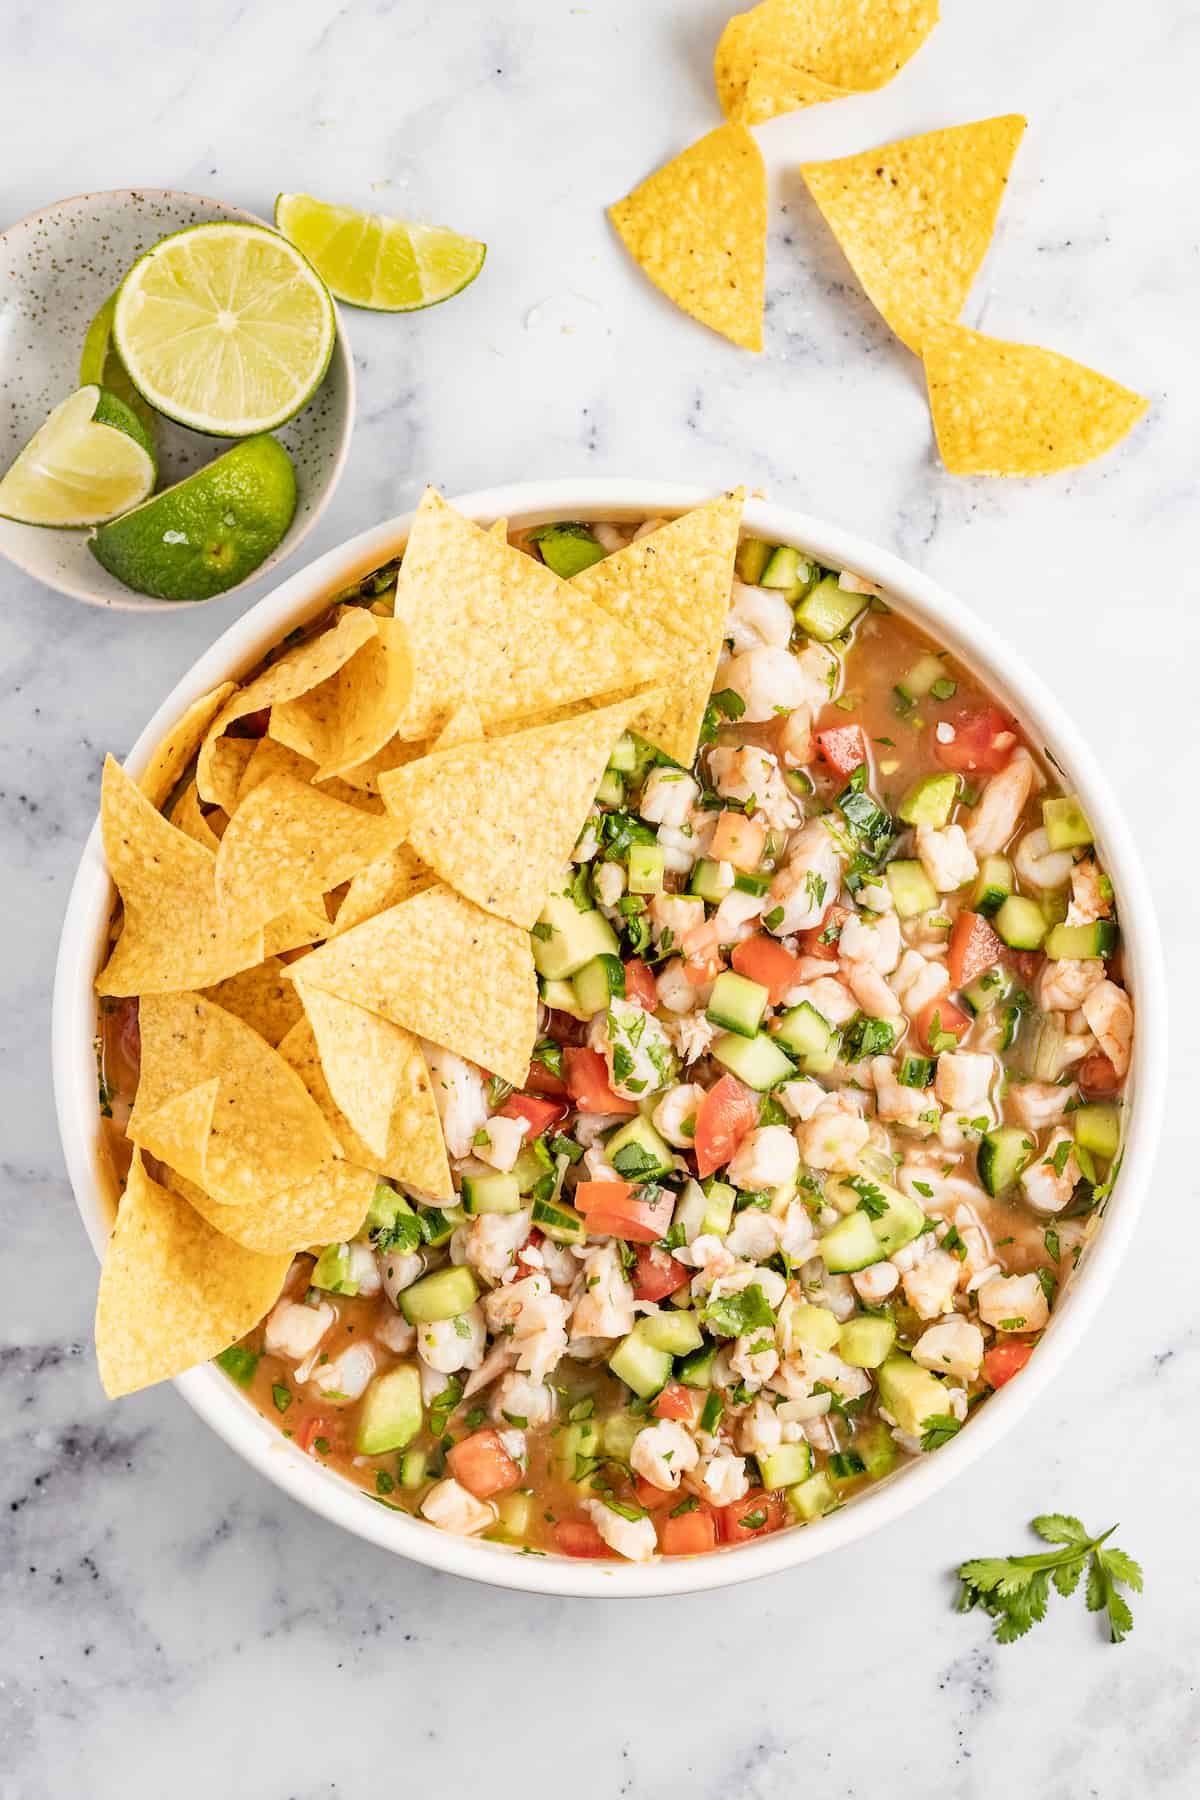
(764,959)
(541,1080)
(753,1516)
(640,985)
(657,1275)
(844,748)
(701,948)
(576,1537)
(738,840)
(618,1209)
(974,947)
(941,1017)
(482,1465)
(822,940)
(984,739)
(539,1112)
(564,1028)
(690,1534)
(652,1497)
(1098,1080)
(727,1112)
(311,1430)
(587,1083)
(675,1402)
(1005,1360)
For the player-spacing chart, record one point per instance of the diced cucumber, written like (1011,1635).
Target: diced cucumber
(597,982)
(829,610)
(647,866)
(1055,906)
(1046,1060)
(751,559)
(1020,923)
(758,1061)
(737,1004)
(438,1223)
(559,1221)
(565,938)
(1082,941)
(911,889)
(1097,1128)
(581,1438)
(1067,825)
(785,568)
(921,677)
(994,885)
(391,1413)
(895,1219)
(929,801)
(331,1271)
(865,1341)
(809,1037)
(786,1465)
(719,1201)
(678,1333)
(695,1371)
(567,547)
(611,791)
(809,1499)
(877,1447)
(412,1469)
(916,1072)
(641,1366)
(637,1152)
(850,1245)
(617,1432)
(1002,1156)
(624,756)
(529,1168)
(711,880)
(751,884)
(909,1392)
(443,1295)
(562,997)
(497,1193)
(987,991)
(814,1326)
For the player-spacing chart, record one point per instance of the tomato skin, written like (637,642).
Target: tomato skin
(541,1080)
(733,1531)
(691,1534)
(587,1083)
(675,1402)
(482,1465)
(618,1209)
(640,985)
(844,748)
(652,1497)
(657,1275)
(812,942)
(984,739)
(764,959)
(727,1112)
(539,1112)
(974,947)
(950,1019)
(701,954)
(311,1430)
(1005,1360)
(1098,1080)
(577,1537)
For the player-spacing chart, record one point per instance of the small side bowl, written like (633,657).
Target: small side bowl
(57,268)
(953,625)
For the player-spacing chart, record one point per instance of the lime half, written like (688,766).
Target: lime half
(99,362)
(91,460)
(385,264)
(225,328)
(204,535)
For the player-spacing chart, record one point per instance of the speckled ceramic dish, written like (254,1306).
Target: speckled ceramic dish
(57,268)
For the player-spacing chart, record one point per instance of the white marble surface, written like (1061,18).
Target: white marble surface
(167,1623)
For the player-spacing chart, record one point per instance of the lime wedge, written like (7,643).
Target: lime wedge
(204,535)
(91,460)
(225,328)
(370,260)
(99,362)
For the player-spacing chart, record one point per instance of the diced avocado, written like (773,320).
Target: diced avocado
(565,938)
(597,982)
(809,1499)
(786,1465)
(562,997)
(641,1366)
(712,880)
(814,1326)
(804,1034)
(1082,941)
(1001,1157)
(850,1245)
(1067,825)
(331,1271)
(829,610)
(737,1004)
(993,886)
(911,889)
(637,1152)
(496,1193)
(513,1513)
(758,1061)
(559,1222)
(647,866)
(443,1295)
(786,569)
(696,1370)
(391,1413)
(1097,1128)
(624,756)
(568,547)
(909,1392)
(929,801)
(385,1208)
(611,791)
(1020,923)
(676,1332)
(865,1341)
(751,559)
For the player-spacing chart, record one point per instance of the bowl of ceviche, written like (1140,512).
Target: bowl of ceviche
(630,1035)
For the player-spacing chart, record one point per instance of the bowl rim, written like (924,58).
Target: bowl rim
(341,354)
(953,626)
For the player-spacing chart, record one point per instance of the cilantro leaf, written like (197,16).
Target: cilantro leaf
(1014,1590)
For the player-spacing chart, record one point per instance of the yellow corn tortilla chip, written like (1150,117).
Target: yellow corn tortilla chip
(442,968)
(262,998)
(464,726)
(914,218)
(498,819)
(178,1131)
(841,46)
(267,1131)
(364,776)
(487,623)
(395,877)
(273,758)
(187,816)
(173,1292)
(499,529)
(286,840)
(1015,409)
(328,1208)
(305,923)
(350,717)
(224,760)
(175,934)
(172,756)
(378,1078)
(304,666)
(673,587)
(698,228)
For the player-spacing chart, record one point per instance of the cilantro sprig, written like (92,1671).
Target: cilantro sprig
(1014,1590)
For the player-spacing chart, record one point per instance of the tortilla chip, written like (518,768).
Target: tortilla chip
(262,998)
(464,726)
(223,769)
(299,1050)
(273,758)
(792,53)
(673,587)
(173,1292)
(305,923)
(267,1132)
(350,717)
(178,1131)
(364,776)
(377,1075)
(1015,409)
(328,1208)
(187,816)
(175,934)
(172,756)
(395,877)
(498,819)
(499,529)
(288,839)
(698,227)
(914,219)
(442,968)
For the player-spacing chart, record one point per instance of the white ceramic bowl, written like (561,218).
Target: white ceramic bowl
(952,625)
(57,268)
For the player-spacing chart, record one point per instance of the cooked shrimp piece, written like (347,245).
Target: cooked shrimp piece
(835,1136)
(871,991)
(995,818)
(963,1080)
(951,1347)
(930,1287)
(504,1140)
(1049,1183)
(493,1240)
(765,1158)
(345,1377)
(1091,893)
(918,980)
(634,1539)
(875,942)
(1065,984)
(662,1453)
(946,857)
(768,680)
(794,738)
(908,1106)
(675,1115)
(449,1506)
(752,774)
(1109,1012)
(460,1095)
(294,1330)
(802,889)
(516,1397)
(1039,1103)
(831,997)
(1013,1303)
(721,1479)
(1038,865)
(605,1306)
(876,1283)
(758,616)
(668,797)
(448,1345)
